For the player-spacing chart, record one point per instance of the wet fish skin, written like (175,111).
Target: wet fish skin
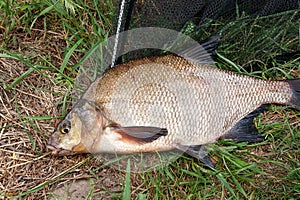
(195,103)
(185,98)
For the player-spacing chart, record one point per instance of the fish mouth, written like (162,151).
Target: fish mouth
(58,151)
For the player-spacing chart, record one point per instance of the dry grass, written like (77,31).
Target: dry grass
(25,162)
(30,110)
(28,114)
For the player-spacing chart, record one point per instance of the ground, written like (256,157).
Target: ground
(35,95)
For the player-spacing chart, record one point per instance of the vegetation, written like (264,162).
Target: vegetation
(42,47)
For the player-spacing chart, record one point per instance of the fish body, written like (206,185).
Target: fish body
(164,103)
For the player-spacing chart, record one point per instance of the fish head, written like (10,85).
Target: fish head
(77,131)
(66,136)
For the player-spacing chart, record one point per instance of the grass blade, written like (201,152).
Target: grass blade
(45,11)
(225,183)
(238,185)
(69,54)
(126,192)
(91,192)
(19,79)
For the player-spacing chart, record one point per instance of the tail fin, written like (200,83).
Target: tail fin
(295,90)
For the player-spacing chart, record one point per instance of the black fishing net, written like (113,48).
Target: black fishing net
(174,14)
(190,17)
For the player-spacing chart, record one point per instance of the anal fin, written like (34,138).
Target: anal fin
(245,130)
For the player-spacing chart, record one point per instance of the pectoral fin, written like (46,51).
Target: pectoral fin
(140,134)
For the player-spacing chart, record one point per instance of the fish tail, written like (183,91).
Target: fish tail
(295,91)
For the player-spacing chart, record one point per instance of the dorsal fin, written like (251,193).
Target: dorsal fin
(202,53)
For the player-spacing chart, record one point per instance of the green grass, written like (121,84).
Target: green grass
(268,170)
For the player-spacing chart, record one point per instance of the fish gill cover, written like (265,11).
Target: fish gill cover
(148,28)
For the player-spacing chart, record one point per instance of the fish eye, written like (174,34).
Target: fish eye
(64,130)
(65,127)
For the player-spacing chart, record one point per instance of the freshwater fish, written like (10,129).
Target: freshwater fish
(168,102)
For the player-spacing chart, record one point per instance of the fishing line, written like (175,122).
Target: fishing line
(117,33)
(126,27)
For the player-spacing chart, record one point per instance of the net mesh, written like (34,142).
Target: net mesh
(174,14)
(189,16)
